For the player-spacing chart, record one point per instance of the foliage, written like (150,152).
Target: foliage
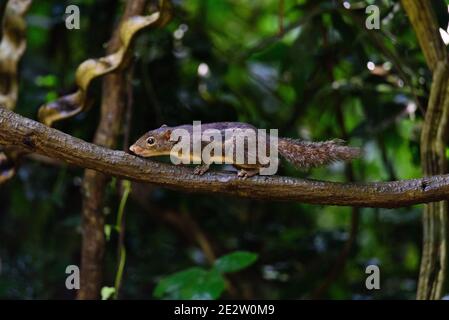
(198,283)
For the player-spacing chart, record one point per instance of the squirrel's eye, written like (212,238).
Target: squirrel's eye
(150,141)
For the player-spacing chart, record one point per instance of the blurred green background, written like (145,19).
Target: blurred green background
(309,68)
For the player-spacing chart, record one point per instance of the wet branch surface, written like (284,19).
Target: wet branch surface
(21,132)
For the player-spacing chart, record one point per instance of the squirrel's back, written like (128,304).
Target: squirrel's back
(221,126)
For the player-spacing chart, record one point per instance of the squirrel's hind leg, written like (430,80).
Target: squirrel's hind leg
(201,169)
(247,171)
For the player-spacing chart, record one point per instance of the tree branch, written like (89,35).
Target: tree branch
(35,137)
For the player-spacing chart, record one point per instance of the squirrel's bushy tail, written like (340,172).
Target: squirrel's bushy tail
(306,154)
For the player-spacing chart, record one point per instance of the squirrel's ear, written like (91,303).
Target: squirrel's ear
(167,135)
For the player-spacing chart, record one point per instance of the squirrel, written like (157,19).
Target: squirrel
(302,154)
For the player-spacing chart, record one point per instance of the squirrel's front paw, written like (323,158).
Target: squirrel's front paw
(200,170)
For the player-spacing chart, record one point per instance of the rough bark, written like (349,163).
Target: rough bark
(433,269)
(433,154)
(424,22)
(24,133)
(94,184)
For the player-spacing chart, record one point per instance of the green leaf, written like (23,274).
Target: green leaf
(175,282)
(107,292)
(211,286)
(48,81)
(51,96)
(235,261)
(193,283)
(107,231)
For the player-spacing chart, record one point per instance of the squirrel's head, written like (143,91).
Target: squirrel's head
(154,143)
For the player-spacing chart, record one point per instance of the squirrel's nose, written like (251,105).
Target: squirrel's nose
(135,149)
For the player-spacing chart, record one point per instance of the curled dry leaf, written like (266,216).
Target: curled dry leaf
(72,104)
(12,47)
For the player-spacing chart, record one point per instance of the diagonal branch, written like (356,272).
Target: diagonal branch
(21,132)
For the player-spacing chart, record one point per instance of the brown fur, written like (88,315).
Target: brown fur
(302,154)
(306,154)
